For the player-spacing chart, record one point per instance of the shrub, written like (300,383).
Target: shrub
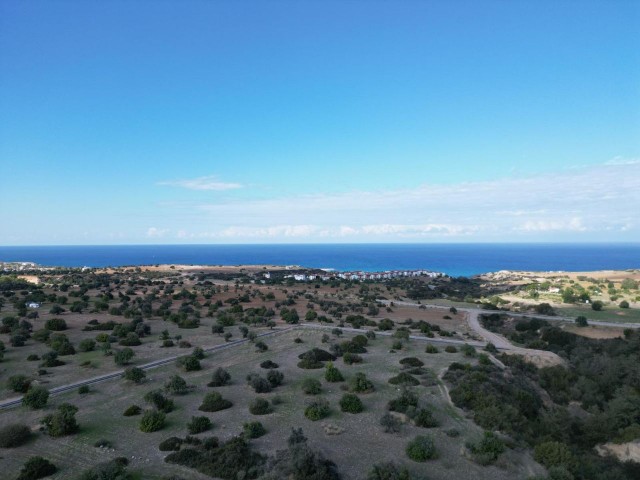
(431,348)
(553,454)
(62,422)
(152,421)
(317,410)
(189,363)
(311,386)
(260,406)
(176,385)
(390,423)
(87,345)
(388,471)
(258,383)
(214,402)
(450,349)
(404,379)
(31,358)
(168,343)
(421,449)
(132,410)
(269,364)
(83,390)
(18,383)
(261,347)
(411,362)
(36,397)
(124,356)
(36,467)
(14,435)
(112,470)
(406,400)
(159,401)
(220,378)
(361,384)
(424,418)
(624,304)
(468,350)
(332,374)
(351,403)
(397,345)
(102,443)
(198,352)
(597,305)
(491,348)
(171,444)
(55,324)
(253,430)
(50,359)
(134,374)
(487,450)
(351,358)
(199,425)
(275,378)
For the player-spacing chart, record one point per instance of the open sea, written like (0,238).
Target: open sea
(453,259)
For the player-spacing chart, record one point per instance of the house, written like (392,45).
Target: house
(32,305)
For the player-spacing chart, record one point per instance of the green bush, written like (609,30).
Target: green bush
(220,378)
(488,449)
(176,385)
(36,467)
(275,378)
(62,422)
(112,470)
(214,402)
(199,425)
(411,362)
(253,430)
(87,345)
(55,324)
(404,379)
(124,356)
(311,386)
(132,410)
(134,374)
(317,410)
(19,383)
(159,401)
(390,423)
(351,358)
(431,348)
(83,390)
(421,449)
(171,444)
(189,363)
(36,397)
(14,435)
(269,364)
(260,406)
(351,403)
(553,454)
(468,350)
(361,384)
(450,349)
(332,374)
(424,418)
(388,471)
(152,421)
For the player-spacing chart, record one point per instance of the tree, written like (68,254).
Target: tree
(124,356)
(152,421)
(199,425)
(421,449)
(36,397)
(214,402)
(19,383)
(624,304)
(220,378)
(189,363)
(63,422)
(581,321)
(597,305)
(159,401)
(55,324)
(36,467)
(134,374)
(351,403)
(361,384)
(176,385)
(332,374)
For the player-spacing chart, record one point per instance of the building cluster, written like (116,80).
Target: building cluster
(360,275)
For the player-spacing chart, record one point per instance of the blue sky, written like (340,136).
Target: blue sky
(233,122)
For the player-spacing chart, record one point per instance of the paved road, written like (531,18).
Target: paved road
(14,402)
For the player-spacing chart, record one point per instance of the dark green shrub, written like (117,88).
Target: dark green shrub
(261,347)
(220,378)
(83,390)
(134,374)
(351,358)
(19,383)
(199,425)
(176,385)
(468,350)
(14,435)
(159,401)
(50,360)
(488,449)
(269,364)
(553,454)
(189,364)
(171,444)
(431,348)
(406,400)
(275,378)
(404,379)
(260,406)
(253,430)
(112,470)
(421,449)
(317,410)
(124,356)
(32,358)
(152,421)
(258,383)
(361,384)
(424,418)
(55,324)
(388,471)
(36,397)
(411,362)
(450,349)
(311,386)
(332,374)
(351,403)
(36,467)
(390,423)
(87,345)
(132,410)
(214,402)
(102,443)
(62,422)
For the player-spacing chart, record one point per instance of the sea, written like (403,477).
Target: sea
(455,259)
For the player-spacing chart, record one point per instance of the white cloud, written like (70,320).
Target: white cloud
(596,202)
(153,232)
(623,161)
(209,182)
